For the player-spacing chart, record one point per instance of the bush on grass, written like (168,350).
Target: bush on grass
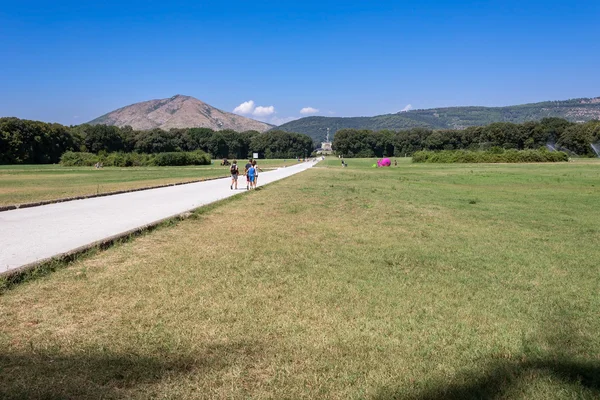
(72,159)
(182,158)
(120,159)
(126,160)
(494,155)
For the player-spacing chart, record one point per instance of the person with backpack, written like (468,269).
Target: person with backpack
(234,174)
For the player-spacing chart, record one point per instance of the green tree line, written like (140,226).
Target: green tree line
(34,142)
(559,133)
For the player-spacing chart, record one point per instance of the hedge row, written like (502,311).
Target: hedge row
(495,155)
(79,159)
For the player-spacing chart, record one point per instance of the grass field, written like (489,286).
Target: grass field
(415,282)
(30,183)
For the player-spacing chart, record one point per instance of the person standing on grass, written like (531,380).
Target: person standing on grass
(234,174)
(251,176)
(256,169)
(246,168)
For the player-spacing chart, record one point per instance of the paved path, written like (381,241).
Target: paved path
(31,235)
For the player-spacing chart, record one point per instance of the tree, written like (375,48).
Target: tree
(280,144)
(156,141)
(199,138)
(98,138)
(577,139)
(434,141)
(33,142)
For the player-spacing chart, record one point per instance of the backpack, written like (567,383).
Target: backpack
(233,169)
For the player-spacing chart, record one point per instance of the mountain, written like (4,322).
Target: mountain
(575,110)
(178,112)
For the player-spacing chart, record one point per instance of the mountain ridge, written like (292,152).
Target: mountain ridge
(574,110)
(178,111)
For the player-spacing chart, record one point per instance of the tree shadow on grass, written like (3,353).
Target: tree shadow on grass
(34,375)
(496,382)
(562,361)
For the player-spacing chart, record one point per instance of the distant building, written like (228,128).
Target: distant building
(326,145)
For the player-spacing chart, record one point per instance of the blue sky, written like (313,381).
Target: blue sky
(72,61)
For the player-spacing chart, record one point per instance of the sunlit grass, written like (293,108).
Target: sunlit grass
(422,282)
(31,183)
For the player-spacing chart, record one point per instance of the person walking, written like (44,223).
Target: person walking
(251,176)
(246,168)
(256,169)
(234,174)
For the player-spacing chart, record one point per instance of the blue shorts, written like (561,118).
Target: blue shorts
(250,178)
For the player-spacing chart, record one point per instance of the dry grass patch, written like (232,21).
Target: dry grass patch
(336,283)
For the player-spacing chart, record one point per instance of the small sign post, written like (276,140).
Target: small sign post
(255,155)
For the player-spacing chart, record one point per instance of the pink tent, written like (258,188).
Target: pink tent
(384,162)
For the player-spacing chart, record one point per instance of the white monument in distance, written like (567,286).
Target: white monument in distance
(326,145)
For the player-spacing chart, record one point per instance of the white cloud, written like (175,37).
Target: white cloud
(408,107)
(246,107)
(261,111)
(308,110)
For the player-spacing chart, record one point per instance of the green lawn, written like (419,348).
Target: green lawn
(411,282)
(30,183)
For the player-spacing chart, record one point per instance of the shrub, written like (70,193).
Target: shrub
(114,160)
(126,160)
(182,158)
(119,159)
(72,159)
(494,155)
(137,160)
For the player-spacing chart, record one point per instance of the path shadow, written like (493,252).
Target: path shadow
(93,375)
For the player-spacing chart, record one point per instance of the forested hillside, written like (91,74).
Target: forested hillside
(576,110)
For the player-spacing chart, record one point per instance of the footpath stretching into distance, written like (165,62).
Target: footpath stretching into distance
(33,235)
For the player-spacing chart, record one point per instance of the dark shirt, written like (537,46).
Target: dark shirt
(248,167)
